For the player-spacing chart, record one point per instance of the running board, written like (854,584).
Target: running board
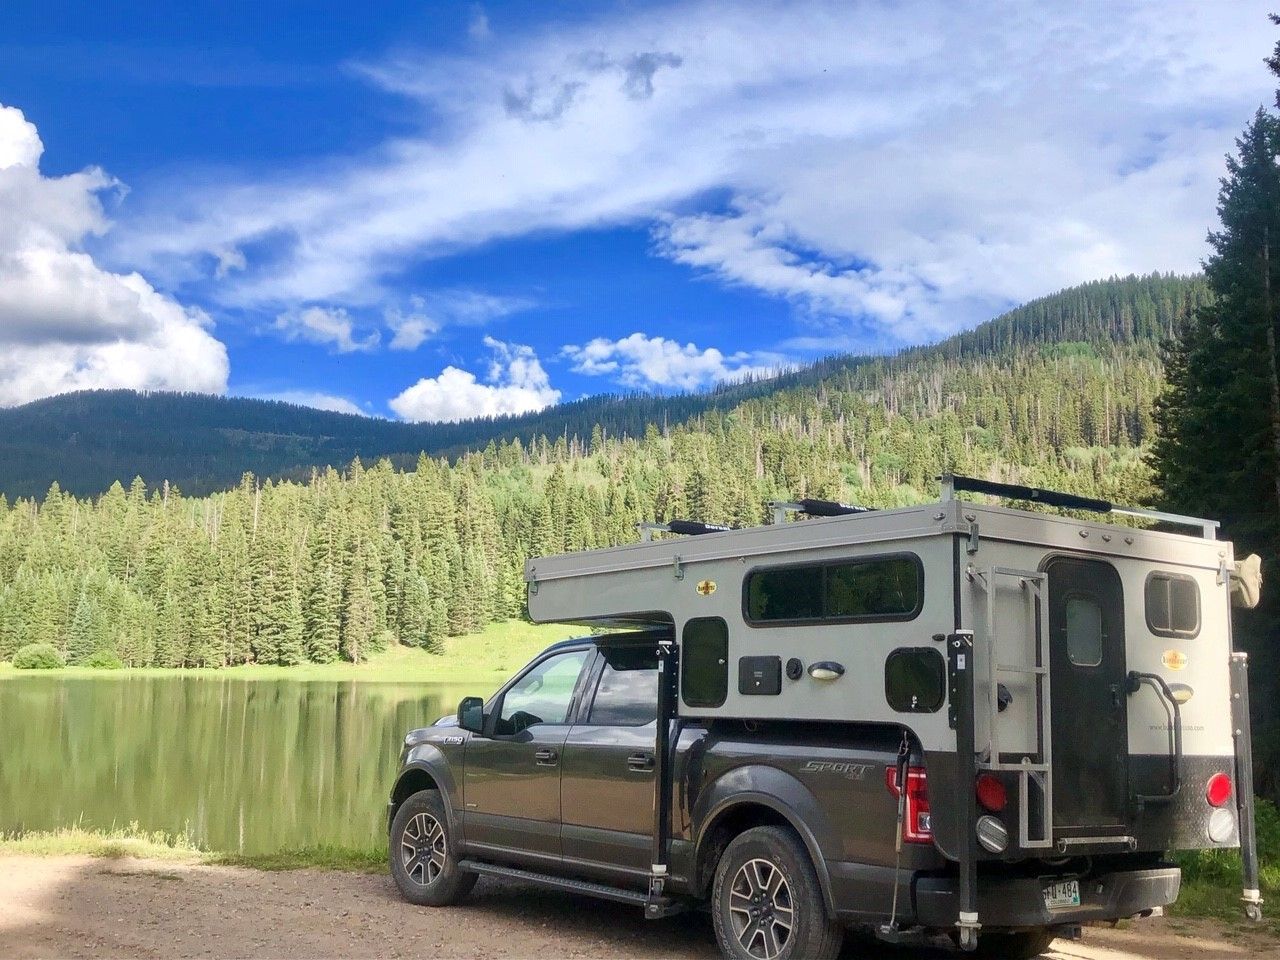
(653,909)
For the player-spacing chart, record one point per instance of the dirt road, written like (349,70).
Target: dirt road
(82,907)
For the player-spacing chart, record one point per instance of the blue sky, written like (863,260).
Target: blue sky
(437,210)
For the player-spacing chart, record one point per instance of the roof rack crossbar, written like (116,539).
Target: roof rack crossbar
(814,508)
(952,484)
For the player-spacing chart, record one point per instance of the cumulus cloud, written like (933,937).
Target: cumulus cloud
(65,322)
(315,399)
(329,326)
(642,361)
(921,165)
(517,383)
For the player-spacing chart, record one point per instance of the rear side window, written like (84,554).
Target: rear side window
(1173,605)
(704,662)
(868,589)
(627,695)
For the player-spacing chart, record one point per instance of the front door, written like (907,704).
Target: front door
(1087,675)
(511,783)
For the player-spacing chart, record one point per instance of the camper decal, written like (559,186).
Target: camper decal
(1174,659)
(706,587)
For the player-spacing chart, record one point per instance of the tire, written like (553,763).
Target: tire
(1012,944)
(763,879)
(423,863)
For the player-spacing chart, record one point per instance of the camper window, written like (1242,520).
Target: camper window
(1084,631)
(1173,605)
(704,662)
(870,589)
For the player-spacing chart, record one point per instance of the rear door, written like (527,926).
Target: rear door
(1087,674)
(607,779)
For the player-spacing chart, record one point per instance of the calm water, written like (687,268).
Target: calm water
(238,765)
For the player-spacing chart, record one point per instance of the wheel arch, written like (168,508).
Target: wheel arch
(742,811)
(417,776)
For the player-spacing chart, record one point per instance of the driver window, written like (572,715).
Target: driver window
(544,694)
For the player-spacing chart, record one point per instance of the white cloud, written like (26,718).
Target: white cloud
(919,165)
(65,322)
(320,401)
(325,325)
(426,315)
(517,383)
(641,361)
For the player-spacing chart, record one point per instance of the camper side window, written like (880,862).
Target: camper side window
(1173,605)
(868,589)
(1084,631)
(704,662)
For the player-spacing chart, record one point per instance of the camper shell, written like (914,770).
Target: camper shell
(1084,668)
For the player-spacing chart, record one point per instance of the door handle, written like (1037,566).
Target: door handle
(546,757)
(640,761)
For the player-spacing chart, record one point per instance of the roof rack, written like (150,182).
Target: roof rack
(689,528)
(814,508)
(951,485)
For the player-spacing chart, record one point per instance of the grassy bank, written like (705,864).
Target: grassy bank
(489,656)
(133,841)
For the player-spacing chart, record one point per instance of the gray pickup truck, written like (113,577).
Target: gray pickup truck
(788,832)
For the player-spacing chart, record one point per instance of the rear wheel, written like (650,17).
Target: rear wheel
(423,863)
(766,902)
(1013,944)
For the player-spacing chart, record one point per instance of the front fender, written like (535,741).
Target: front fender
(776,790)
(429,759)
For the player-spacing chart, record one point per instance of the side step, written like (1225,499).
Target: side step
(653,908)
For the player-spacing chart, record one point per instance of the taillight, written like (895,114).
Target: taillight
(991,793)
(1218,790)
(916,825)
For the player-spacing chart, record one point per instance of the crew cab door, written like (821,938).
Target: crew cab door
(606,786)
(1090,719)
(511,780)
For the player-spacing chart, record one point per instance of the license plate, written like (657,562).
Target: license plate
(1057,895)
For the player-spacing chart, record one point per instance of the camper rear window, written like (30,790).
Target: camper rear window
(842,591)
(1173,605)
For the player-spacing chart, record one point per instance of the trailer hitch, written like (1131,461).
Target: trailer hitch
(1133,682)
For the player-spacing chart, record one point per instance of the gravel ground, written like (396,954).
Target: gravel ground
(84,907)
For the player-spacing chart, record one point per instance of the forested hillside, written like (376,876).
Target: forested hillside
(202,444)
(1059,393)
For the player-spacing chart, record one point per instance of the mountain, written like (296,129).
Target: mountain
(1058,393)
(86,441)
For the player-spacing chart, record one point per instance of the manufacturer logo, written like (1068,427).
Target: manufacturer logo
(453,739)
(850,771)
(1174,659)
(706,587)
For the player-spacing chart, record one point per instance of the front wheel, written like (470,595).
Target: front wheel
(423,863)
(766,902)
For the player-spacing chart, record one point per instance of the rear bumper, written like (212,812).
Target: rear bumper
(1019,901)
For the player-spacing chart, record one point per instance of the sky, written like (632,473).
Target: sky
(432,211)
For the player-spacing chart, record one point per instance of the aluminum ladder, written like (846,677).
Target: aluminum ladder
(1037,769)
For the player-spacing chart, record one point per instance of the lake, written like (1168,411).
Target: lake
(247,766)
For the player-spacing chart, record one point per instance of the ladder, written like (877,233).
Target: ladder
(1037,769)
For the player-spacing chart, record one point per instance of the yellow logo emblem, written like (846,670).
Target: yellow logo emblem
(1174,659)
(706,587)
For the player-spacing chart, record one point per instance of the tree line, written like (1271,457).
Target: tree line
(346,562)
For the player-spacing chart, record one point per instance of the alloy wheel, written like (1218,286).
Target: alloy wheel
(422,848)
(761,909)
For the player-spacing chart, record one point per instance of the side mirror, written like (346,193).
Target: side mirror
(471,714)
